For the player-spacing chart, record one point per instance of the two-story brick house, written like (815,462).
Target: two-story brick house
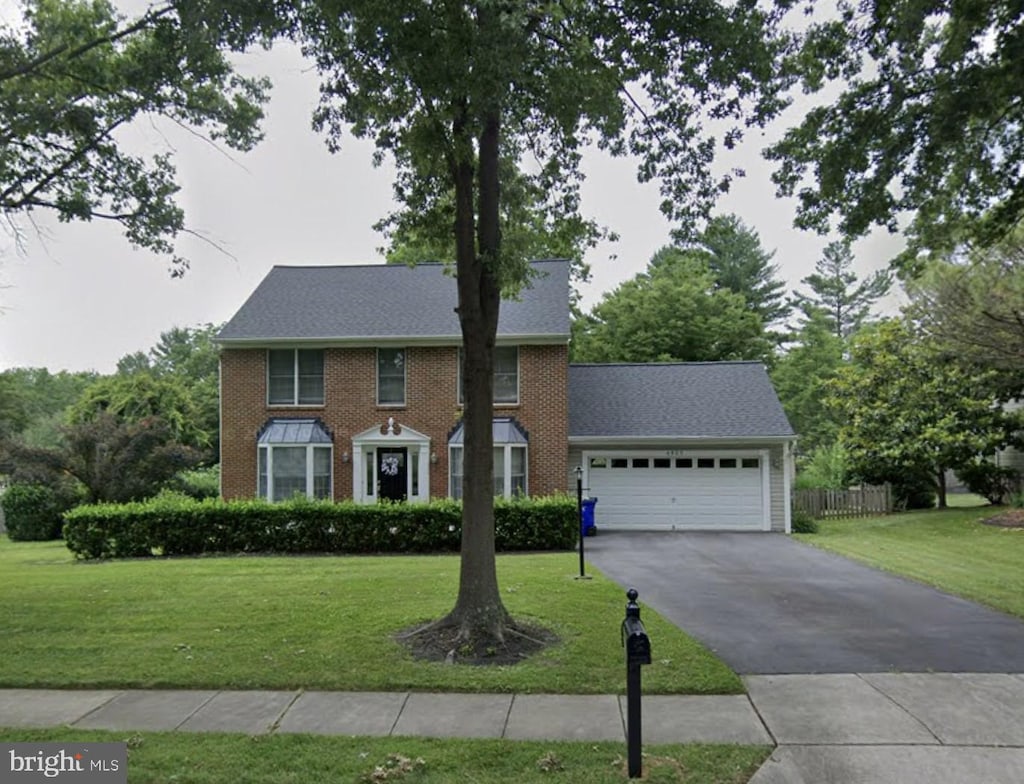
(343,383)
(368,356)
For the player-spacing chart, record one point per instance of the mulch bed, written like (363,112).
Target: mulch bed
(1011,518)
(442,645)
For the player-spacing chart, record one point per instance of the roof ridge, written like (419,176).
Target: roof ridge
(386,265)
(358,265)
(715,362)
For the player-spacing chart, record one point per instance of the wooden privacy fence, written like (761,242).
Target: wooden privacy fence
(864,501)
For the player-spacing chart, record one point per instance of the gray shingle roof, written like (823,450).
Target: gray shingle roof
(688,400)
(388,301)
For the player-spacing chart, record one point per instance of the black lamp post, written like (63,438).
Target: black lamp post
(579,516)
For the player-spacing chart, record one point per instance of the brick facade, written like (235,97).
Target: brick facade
(431,407)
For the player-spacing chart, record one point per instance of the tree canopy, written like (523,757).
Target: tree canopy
(529,228)
(112,459)
(801,377)
(974,305)
(33,402)
(142,396)
(75,73)
(673,312)
(189,357)
(908,411)
(926,128)
(741,264)
(843,301)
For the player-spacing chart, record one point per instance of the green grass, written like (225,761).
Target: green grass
(311,622)
(965,500)
(157,758)
(949,549)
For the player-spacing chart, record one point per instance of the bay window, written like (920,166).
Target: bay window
(509,460)
(294,456)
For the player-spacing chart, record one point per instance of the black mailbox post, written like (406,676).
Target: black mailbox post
(638,652)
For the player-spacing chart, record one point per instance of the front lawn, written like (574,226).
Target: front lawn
(311,622)
(950,549)
(156,758)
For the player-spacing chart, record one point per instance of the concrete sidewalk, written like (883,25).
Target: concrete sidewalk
(846,729)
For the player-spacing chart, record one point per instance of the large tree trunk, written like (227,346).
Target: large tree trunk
(479,611)
(940,487)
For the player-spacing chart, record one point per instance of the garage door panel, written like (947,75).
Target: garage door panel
(682,498)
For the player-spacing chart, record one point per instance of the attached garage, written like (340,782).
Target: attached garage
(688,446)
(680,490)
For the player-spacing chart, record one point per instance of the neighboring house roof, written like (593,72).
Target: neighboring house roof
(388,302)
(714,400)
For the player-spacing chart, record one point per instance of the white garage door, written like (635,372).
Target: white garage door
(669,491)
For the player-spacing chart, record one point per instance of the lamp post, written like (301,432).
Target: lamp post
(579,516)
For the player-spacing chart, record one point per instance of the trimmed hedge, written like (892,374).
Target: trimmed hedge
(177,525)
(32,513)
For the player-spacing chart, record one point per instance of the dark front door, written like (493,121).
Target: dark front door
(392,474)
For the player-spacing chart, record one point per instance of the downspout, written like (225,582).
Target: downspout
(787,483)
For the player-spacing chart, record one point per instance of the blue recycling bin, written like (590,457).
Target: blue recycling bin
(589,527)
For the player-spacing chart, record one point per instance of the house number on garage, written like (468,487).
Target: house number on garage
(673,452)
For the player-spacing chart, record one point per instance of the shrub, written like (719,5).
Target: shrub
(199,483)
(912,491)
(803,523)
(992,482)
(170,524)
(825,468)
(32,512)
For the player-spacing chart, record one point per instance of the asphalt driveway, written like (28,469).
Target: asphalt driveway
(768,604)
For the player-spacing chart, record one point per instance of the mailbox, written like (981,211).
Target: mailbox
(638,644)
(634,636)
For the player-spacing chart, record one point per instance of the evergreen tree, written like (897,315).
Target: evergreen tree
(837,294)
(801,377)
(741,264)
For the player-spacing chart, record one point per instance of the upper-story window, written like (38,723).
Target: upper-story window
(506,375)
(391,376)
(295,377)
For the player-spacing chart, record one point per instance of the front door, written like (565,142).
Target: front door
(392,474)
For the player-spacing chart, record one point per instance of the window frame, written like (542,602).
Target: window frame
(405,378)
(496,401)
(456,479)
(265,478)
(295,400)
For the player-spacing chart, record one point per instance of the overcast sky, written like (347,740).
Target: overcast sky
(80,298)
